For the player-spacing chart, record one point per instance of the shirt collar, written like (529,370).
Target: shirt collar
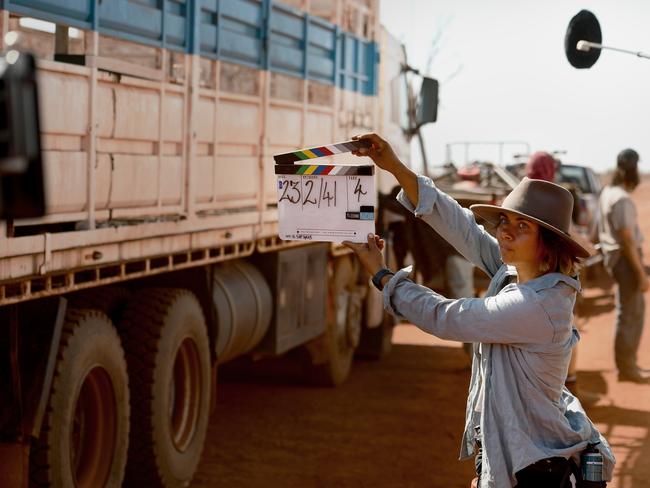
(549,280)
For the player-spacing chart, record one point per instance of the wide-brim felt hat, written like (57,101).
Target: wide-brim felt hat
(540,201)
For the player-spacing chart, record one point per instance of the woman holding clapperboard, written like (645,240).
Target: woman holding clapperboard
(523,426)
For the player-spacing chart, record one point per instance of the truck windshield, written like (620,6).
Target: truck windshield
(577,176)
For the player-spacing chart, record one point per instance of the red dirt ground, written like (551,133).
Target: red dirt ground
(398,422)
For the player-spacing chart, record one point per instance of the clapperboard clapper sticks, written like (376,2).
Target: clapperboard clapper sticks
(325,202)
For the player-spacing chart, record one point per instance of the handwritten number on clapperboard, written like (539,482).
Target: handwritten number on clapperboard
(293,185)
(307,200)
(358,190)
(291,192)
(326,195)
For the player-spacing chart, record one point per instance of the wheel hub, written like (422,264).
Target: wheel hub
(185,394)
(93,436)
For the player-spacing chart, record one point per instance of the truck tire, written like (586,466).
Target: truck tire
(168,358)
(111,300)
(85,431)
(341,337)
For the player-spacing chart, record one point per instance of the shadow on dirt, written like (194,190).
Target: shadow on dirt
(633,470)
(593,305)
(593,381)
(625,429)
(396,422)
(597,296)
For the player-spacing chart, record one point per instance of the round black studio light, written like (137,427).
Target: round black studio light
(583,26)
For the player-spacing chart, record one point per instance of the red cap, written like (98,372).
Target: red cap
(541,166)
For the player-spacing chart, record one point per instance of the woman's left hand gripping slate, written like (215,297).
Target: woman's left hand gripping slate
(369,254)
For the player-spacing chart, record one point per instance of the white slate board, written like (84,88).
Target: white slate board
(329,203)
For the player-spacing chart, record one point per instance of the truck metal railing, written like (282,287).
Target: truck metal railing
(106,274)
(467,144)
(262,34)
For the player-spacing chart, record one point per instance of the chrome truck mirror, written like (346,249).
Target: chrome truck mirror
(427,107)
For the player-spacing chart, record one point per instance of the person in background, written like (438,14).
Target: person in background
(525,428)
(621,241)
(541,166)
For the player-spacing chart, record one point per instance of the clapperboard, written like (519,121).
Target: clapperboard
(326,202)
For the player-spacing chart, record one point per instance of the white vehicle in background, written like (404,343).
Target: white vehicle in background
(587,182)
(159,258)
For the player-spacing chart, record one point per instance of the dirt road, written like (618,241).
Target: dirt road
(394,423)
(398,422)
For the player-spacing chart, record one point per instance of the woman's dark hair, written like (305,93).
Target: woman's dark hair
(559,257)
(627,178)
(626,172)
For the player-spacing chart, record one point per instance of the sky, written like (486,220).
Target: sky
(504,77)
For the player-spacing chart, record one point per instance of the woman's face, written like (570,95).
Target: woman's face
(519,240)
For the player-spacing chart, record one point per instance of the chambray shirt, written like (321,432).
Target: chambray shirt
(527,335)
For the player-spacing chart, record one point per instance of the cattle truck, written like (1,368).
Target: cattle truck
(158,258)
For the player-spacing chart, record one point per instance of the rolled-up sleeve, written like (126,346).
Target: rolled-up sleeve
(513,316)
(455,224)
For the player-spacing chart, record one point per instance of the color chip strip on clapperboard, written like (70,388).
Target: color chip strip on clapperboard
(324,169)
(284,162)
(319,152)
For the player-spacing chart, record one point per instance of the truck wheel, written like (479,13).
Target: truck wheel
(344,303)
(85,432)
(110,299)
(168,358)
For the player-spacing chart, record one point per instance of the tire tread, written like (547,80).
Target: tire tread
(141,336)
(40,468)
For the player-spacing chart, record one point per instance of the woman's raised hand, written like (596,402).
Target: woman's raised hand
(380,152)
(384,157)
